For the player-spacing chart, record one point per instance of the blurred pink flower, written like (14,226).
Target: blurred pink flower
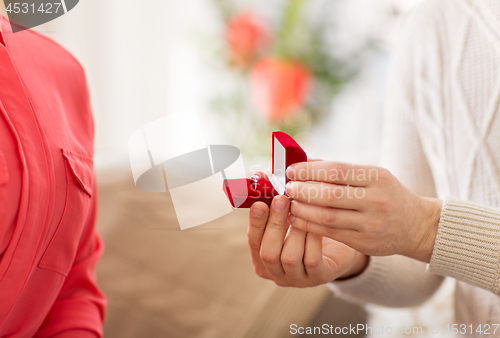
(246,36)
(279,87)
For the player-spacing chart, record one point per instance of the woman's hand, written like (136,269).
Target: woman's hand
(290,256)
(365,207)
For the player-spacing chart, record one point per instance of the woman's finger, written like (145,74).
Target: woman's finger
(313,256)
(258,215)
(274,234)
(340,235)
(261,174)
(292,255)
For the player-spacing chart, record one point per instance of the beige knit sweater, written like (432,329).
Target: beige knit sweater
(442,138)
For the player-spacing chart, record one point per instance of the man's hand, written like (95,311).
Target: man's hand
(293,257)
(365,207)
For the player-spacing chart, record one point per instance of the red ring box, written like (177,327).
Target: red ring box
(242,194)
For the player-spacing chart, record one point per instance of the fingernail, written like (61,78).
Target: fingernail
(288,187)
(279,204)
(258,212)
(291,218)
(290,171)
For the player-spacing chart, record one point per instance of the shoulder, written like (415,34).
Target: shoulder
(427,32)
(54,77)
(430,10)
(30,48)
(424,17)
(431,15)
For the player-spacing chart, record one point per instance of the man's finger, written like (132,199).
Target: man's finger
(331,217)
(327,194)
(334,172)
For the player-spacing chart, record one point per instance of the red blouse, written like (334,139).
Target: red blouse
(48,243)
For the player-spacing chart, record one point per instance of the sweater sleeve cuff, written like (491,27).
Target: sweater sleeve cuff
(373,280)
(467,245)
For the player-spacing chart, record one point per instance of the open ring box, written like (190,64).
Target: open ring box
(242,193)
